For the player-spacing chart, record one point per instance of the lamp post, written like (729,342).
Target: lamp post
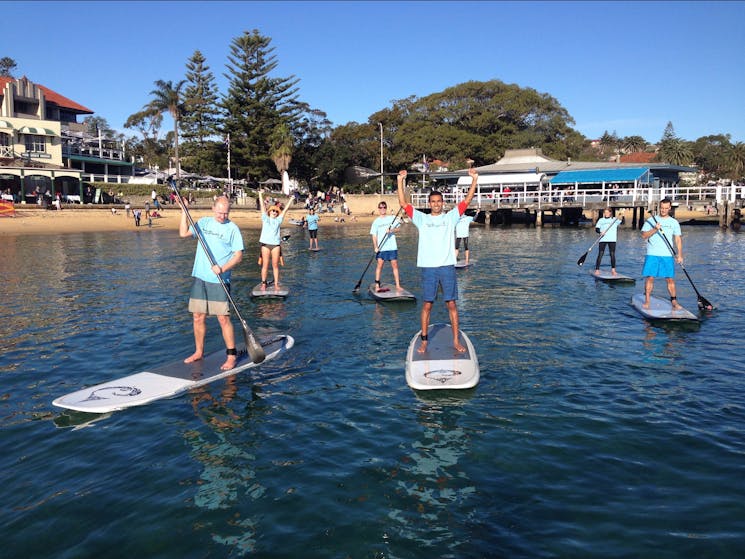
(381,157)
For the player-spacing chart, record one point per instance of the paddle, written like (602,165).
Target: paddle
(255,351)
(703,303)
(584,256)
(380,244)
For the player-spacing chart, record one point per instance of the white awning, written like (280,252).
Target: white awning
(509,179)
(36,131)
(6,124)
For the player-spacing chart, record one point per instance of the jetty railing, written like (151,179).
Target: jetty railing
(553,198)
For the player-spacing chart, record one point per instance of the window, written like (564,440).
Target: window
(35,143)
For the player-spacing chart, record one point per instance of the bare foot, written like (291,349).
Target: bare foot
(195,357)
(645,305)
(676,306)
(613,271)
(422,347)
(459,348)
(399,288)
(229,363)
(597,272)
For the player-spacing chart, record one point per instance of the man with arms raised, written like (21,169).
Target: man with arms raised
(436,253)
(207,297)
(659,262)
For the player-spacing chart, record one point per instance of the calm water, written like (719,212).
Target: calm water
(592,432)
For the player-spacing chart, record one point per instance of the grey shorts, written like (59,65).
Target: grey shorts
(208,298)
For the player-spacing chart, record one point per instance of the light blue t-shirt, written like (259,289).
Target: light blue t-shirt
(379,228)
(222,239)
(656,245)
(436,246)
(312,221)
(611,235)
(270,229)
(461,228)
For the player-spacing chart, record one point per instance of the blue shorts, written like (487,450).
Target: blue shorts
(659,267)
(443,276)
(388,255)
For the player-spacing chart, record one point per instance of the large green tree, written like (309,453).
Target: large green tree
(255,104)
(736,160)
(203,149)
(674,150)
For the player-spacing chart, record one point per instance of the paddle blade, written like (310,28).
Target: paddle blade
(582,259)
(704,304)
(255,351)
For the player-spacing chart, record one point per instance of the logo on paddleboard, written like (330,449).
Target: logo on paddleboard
(113,392)
(442,375)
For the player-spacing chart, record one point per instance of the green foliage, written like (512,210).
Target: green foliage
(255,104)
(200,120)
(7,65)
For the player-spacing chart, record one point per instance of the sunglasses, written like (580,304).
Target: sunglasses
(382,207)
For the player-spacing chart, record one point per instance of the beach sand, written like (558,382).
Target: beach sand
(32,220)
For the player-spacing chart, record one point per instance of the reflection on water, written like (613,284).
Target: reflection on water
(587,421)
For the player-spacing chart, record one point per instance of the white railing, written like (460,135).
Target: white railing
(7,151)
(553,198)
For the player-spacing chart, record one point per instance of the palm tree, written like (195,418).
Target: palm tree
(167,98)
(633,144)
(676,152)
(736,159)
(282,145)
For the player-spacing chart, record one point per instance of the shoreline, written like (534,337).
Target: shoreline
(38,221)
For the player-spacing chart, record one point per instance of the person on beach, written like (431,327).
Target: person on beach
(207,297)
(436,253)
(137,215)
(607,226)
(271,220)
(461,235)
(659,261)
(384,243)
(312,221)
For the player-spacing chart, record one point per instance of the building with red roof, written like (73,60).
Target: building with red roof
(44,152)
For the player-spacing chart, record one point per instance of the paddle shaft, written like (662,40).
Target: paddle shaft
(584,256)
(375,254)
(703,302)
(252,345)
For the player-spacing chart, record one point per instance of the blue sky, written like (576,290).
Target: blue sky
(628,67)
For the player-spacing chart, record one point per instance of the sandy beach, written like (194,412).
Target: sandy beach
(32,220)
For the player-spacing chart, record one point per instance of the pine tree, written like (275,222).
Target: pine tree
(255,104)
(201,118)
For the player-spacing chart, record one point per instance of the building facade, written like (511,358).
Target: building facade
(44,150)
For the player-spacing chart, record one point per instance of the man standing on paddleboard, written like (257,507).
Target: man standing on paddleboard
(436,253)
(384,243)
(659,262)
(208,297)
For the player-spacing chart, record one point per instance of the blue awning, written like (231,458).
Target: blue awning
(598,176)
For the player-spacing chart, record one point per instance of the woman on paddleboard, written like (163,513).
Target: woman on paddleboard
(607,226)
(271,220)
(436,253)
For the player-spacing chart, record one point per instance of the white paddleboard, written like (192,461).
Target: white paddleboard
(389,293)
(660,309)
(441,367)
(609,277)
(269,292)
(463,264)
(165,381)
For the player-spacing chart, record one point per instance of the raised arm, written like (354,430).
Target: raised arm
(261,201)
(287,207)
(401,178)
(474,182)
